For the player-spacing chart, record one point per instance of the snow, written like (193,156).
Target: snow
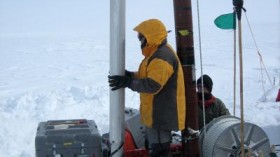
(55,61)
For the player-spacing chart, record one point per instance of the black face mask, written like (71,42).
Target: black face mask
(143,43)
(207,96)
(143,40)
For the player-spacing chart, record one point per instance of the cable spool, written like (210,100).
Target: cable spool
(222,139)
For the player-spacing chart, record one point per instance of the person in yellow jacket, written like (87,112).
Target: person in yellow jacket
(160,82)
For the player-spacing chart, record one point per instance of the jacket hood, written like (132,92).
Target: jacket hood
(153,30)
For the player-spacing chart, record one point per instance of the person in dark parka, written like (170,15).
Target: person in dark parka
(214,107)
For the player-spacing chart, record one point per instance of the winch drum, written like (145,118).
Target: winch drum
(222,138)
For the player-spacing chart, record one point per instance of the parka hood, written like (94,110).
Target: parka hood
(153,30)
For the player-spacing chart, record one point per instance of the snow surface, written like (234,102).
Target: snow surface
(54,62)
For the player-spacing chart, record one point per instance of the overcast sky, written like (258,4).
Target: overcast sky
(92,16)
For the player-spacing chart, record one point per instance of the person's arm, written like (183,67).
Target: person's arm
(132,74)
(146,85)
(222,108)
(158,73)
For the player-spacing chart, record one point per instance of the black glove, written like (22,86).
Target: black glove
(117,81)
(128,73)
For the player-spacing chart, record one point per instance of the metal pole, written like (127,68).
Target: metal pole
(241,90)
(238,4)
(117,67)
(185,51)
(234,68)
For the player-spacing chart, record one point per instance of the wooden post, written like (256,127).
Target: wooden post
(185,50)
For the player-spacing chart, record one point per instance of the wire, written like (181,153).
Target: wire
(201,68)
(262,65)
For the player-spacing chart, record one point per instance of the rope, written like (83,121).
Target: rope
(201,68)
(262,65)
